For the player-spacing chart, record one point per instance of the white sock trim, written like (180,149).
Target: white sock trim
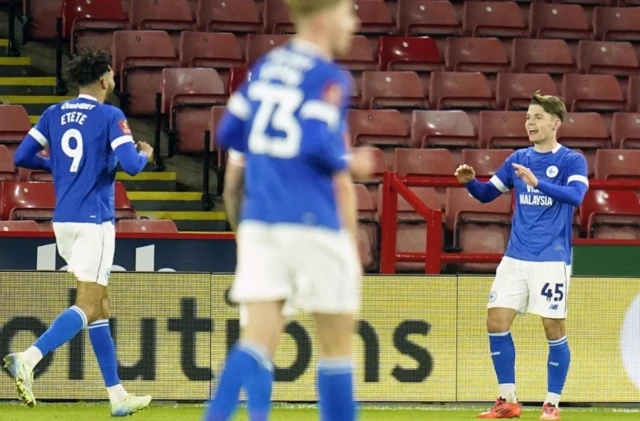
(553,398)
(560,341)
(99,323)
(507,333)
(81,313)
(117,394)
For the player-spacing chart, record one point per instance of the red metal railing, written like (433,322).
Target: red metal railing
(433,255)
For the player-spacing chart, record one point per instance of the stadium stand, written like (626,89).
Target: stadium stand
(160,226)
(435,84)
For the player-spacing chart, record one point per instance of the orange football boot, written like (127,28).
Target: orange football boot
(550,412)
(503,409)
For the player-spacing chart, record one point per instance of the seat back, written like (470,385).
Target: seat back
(607,58)
(617,164)
(392,89)
(495,19)
(602,201)
(19,226)
(592,92)
(8,171)
(442,128)
(160,15)
(427,17)
(625,130)
(564,21)
(374,17)
(541,56)
(206,49)
(459,200)
(475,55)
(360,57)
(485,162)
(72,10)
(503,129)
(584,131)
(233,16)
(143,45)
(190,86)
(514,91)
(408,53)
(14,123)
(34,196)
(259,45)
(616,23)
(276,17)
(237,76)
(377,127)
(459,90)
(423,162)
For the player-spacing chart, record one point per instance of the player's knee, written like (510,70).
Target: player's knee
(554,328)
(105,307)
(497,324)
(89,298)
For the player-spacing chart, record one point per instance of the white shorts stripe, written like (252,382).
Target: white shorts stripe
(580,178)
(499,184)
(35,133)
(121,141)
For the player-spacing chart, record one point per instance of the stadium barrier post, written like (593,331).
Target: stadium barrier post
(206,200)
(389,225)
(157,159)
(61,89)
(434,243)
(12,49)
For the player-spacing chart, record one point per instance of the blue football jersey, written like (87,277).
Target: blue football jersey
(82,135)
(289,123)
(541,230)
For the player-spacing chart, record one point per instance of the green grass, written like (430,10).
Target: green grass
(167,412)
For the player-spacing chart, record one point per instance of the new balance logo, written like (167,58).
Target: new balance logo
(553,307)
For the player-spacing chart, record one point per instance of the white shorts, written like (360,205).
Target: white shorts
(87,248)
(532,287)
(312,269)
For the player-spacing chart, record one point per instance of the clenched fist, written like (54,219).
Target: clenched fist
(465,173)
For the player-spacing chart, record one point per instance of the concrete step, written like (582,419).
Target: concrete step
(35,104)
(18,86)
(165,201)
(18,67)
(149,181)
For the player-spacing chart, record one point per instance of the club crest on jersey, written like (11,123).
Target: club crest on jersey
(552,171)
(124,126)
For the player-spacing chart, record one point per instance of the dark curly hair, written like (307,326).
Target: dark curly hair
(88,67)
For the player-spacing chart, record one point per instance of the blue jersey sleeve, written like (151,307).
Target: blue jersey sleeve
(230,133)
(122,144)
(324,117)
(577,183)
(503,178)
(26,155)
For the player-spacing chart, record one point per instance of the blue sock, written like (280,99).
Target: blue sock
(105,351)
(249,367)
(335,389)
(503,353)
(62,330)
(558,365)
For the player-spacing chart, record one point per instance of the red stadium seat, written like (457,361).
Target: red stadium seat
(237,76)
(276,17)
(392,90)
(360,57)
(230,16)
(541,56)
(427,17)
(485,162)
(374,17)
(607,58)
(122,204)
(610,214)
(8,171)
(173,16)
(592,92)
(514,91)
(41,14)
(91,24)
(379,168)
(584,131)
(19,226)
(503,129)
(405,53)
(565,21)
(633,94)
(617,164)
(459,90)
(406,212)
(423,162)
(475,55)
(366,206)
(493,19)
(138,60)
(206,49)
(442,129)
(160,226)
(625,131)
(14,125)
(617,23)
(187,98)
(477,227)
(377,128)
(260,44)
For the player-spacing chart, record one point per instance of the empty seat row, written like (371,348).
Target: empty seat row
(160,226)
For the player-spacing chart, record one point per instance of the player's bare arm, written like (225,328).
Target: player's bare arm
(233,189)
(346,198)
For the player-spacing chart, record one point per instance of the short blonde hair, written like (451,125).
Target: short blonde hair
(301,9)
(551,104)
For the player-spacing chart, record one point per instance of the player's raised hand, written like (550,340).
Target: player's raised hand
(526,175)
(362,163)
(465,173)
(145,148)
